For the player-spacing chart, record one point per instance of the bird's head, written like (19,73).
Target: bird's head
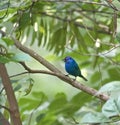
(67,58)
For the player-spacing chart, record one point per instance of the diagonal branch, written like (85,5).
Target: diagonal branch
(35,56)
(58,73)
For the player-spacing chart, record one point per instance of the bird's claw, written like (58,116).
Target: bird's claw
(67,75)
(74,79)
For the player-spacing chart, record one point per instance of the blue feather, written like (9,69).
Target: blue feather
(72,67)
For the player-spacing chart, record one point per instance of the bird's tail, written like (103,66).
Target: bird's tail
(83,78)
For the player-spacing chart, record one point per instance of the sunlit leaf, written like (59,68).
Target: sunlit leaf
(110,87)
(58,103)
(118,37)
(21,57)
(8,41)
(32,102)
(93,118)
(4,59)
(24,20)
(111,108)
(40,117)
(18,87)
(28,90)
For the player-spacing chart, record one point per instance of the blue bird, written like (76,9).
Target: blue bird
(72,67)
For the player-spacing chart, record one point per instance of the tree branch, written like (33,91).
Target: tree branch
(14,112)
(1,106)
(58,73)
(36,71)
(3,120)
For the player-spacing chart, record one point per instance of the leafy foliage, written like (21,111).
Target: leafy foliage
(89,32)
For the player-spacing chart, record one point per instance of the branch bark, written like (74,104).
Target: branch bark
(58,73)
(3,121)
(13,106)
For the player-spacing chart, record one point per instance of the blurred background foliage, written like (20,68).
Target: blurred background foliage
(86,30)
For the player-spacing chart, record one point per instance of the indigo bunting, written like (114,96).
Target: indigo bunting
(72,67)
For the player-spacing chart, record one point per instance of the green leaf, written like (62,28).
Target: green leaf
(58,40)
(95,77)
(24,20)
(110,87)
(32,101)
(34,34)
(117,39)
(28,90)
(18,87)
(2,42)
(4,59)
(79,38)
(40,117)
(19,57)
(8,41)
(93,118)
(112,107)
(113,73)
(58,103)
(80,99)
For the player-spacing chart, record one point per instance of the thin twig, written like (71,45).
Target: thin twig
(6,11)
(5,108)
(112,6)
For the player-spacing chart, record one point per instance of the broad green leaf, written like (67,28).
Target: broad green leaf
(113,73)
(111,108)
(2,42)
(8,41)
(58,103)
(19,57)
(47,119)
(80,99)
(95,77)
(110,87)
(40,117)
(5,56)
(94,118)
(18,87)
(34,100)
(4,59)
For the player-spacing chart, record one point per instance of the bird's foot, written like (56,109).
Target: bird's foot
(74,79)
(67,75)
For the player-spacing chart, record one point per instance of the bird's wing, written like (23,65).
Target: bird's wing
(76,67)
